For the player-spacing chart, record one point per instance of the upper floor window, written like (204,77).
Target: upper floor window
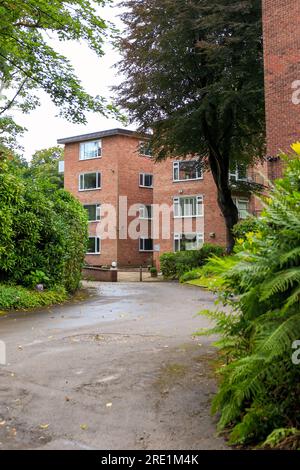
(91,149)
(188,241)
(187,170)
(242,205)
(238,172)
(88,181)
(146,180)
(188,206)
(145,148)
(146,211)
(61,166)
(93,212)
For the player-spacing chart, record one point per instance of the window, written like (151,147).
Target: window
(191,206)
(93,246)
(146,180)
(145,149)
(61,166)
(238,173)
(89,181)
(146,212)
(90,149)
(186,170)
(242,207)
(93,211)
(188,241)
(146,244)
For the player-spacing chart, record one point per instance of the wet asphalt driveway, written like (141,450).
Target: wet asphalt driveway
(119,370)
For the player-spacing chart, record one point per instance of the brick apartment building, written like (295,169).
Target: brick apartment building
(100,169)
(106,167)
(173,204)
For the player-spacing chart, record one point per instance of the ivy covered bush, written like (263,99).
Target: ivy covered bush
(43,232)
(174,265)
(259,393)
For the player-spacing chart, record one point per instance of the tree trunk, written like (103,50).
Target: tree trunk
(219,166)
(230,214)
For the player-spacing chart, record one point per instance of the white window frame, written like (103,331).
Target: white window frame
(95,252)
(235,175)
(98,211)
(143,249)
(199,240)
(236,201)
(199,206)
(98,180)
(142,145)
(144,213)
(82,155)
(176,166)
(142,178)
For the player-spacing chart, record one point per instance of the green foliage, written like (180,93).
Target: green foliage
(190,275)
(153,270)
(17,297)
(36,277)
(28,61)
(42,228)
(249,225)
(260,389)
(194,74)
(174,265)
(44,166)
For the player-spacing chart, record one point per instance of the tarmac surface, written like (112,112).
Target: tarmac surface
(119,369)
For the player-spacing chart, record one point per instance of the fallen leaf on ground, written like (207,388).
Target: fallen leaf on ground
(108,405)
(2,423)
(44,426)
(84,427)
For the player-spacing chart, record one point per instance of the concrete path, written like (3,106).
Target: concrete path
(117,371)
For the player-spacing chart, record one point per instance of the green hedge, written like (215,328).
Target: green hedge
(43,233)
(17,297)
(174,265)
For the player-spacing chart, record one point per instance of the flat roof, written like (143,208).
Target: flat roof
(100,135)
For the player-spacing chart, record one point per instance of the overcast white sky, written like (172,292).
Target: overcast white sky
(97,76)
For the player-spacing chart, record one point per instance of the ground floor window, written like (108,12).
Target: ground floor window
(94,246)
(146,244)
(188,241)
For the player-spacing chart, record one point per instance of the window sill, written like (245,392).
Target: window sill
(187,216)
(93,254)
(188,180)
(90,158)
(90,189)
(146,187)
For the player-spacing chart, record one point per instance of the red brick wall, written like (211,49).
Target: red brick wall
(131,164)
(282,68)
(164,191)
(120,166)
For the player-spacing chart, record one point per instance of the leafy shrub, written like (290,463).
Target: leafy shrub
(17,297)
(174,265)
(42,229)
(249,225)
(259,395)
(36,277)
(190,275)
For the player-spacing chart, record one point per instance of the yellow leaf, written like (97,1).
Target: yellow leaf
(84,427)
(44,426)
